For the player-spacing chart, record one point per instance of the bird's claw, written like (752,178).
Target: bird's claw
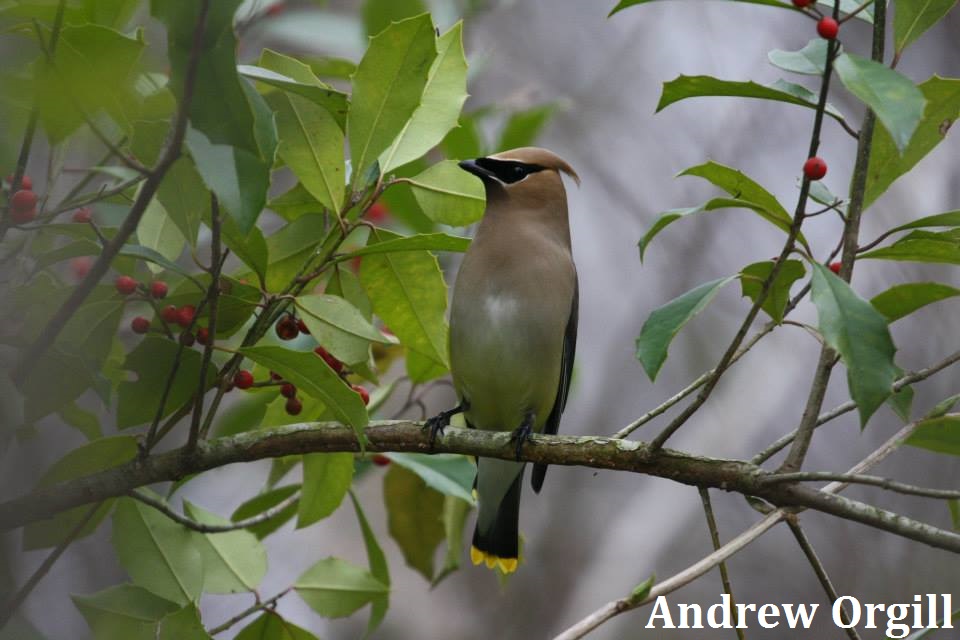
(521,434)
(436,425)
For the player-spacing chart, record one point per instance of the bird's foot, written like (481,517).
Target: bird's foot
(522,433)
(441,421)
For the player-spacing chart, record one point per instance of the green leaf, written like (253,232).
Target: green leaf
(251,248)
(859,333)
(666,321)
(449,195)
(419,242)
(450,474)
(378,14)
(443,97)
(326,479)
(311,141)
(684,87)
(85,460)
(464,141)
(270,626)
(642,590)
(897,102)
(82,420)
(185,198)
(414,518)
(233,561)
(149,255)
(753,276)
(741,187)
(886,162)
(123,612)
(921,246)
(943,407)
(948,219)
(954,506)
(901,402)
(93,70)
(938,434)
(293,76)
(455,512)
(409,294)
(151,361)
(238,177)
(159,554)
(903,299)
(295,203)
(183,625)
(523,127)
(290,247)
(339,327)
(158,232)
(913,17)
(345,283)
(268,500)
(334,588)
(378,567)
(387,88)
(672,215)
(624,4)
(314,377)
(809,61)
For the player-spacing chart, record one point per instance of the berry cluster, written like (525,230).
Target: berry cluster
(289,327)
(23,203)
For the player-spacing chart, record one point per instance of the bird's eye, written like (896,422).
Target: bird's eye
(518,171)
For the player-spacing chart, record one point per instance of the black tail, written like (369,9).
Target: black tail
(502,539)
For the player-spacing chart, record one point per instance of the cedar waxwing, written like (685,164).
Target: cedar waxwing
(513,330)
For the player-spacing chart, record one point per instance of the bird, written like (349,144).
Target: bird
(513,331)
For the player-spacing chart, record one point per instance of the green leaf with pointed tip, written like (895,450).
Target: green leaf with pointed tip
(378,567)
(387,88)
(819,192)
(913,17)
(409,294)
(311,141)
(901,402)
(449,195)
(159,554)
(886,161)
(183,625)
(443,97)
(82,420)
(665,322)
(943,407)
(668,217)
(158,232)
(684,87)
(334,588)
(903,299)
(624,4)
(250,248)
(326,479)
(809,61)
(378,14)
(268,500)
(921,246)
(233,561)
(419,242)
(898,103)
(455,512)
(270,626)
(124,612)
(146,254)
(938,434)
(414,518)
(948,219)
(84,460)
(339,327)
(450,474)
(290,247)
(151,361)
(859,333)
(314,377)
(184,198)
(286,73)
(751,282)
(295,203)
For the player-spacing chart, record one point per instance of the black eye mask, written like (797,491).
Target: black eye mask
(508,171)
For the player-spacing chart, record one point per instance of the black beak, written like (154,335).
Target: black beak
(471,166)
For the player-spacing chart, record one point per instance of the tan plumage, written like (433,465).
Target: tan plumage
(513,327)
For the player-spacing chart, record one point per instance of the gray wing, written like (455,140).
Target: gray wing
(566,372)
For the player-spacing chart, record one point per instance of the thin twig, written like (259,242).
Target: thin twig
(715,539)
(832,596)
(875,481)
(259,606)
(856,11)
(202,527)
(10,606)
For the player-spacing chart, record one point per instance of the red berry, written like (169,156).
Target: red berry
(377,212)
(364,394)
(243,379)
(380,460)
(187,339)
(828,28)
(814,168)
(140,325)
(288,390)
(334,364)
(80,266)
(25,181)
(23,200)
(203,336)
(158,289)
(22,216)
(287,328)
(800,4)
(185,315)
(293,406)
(169,314)
(835,267)
(125,285)
(302,326)
(82,215)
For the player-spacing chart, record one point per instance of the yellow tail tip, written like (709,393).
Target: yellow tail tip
(505,565)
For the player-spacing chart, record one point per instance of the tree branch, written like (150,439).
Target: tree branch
(715,539)
(189,523)
(876,481)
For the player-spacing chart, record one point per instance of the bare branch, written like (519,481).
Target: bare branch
(269,603)
(715,539)
(190,523)
(876,481)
